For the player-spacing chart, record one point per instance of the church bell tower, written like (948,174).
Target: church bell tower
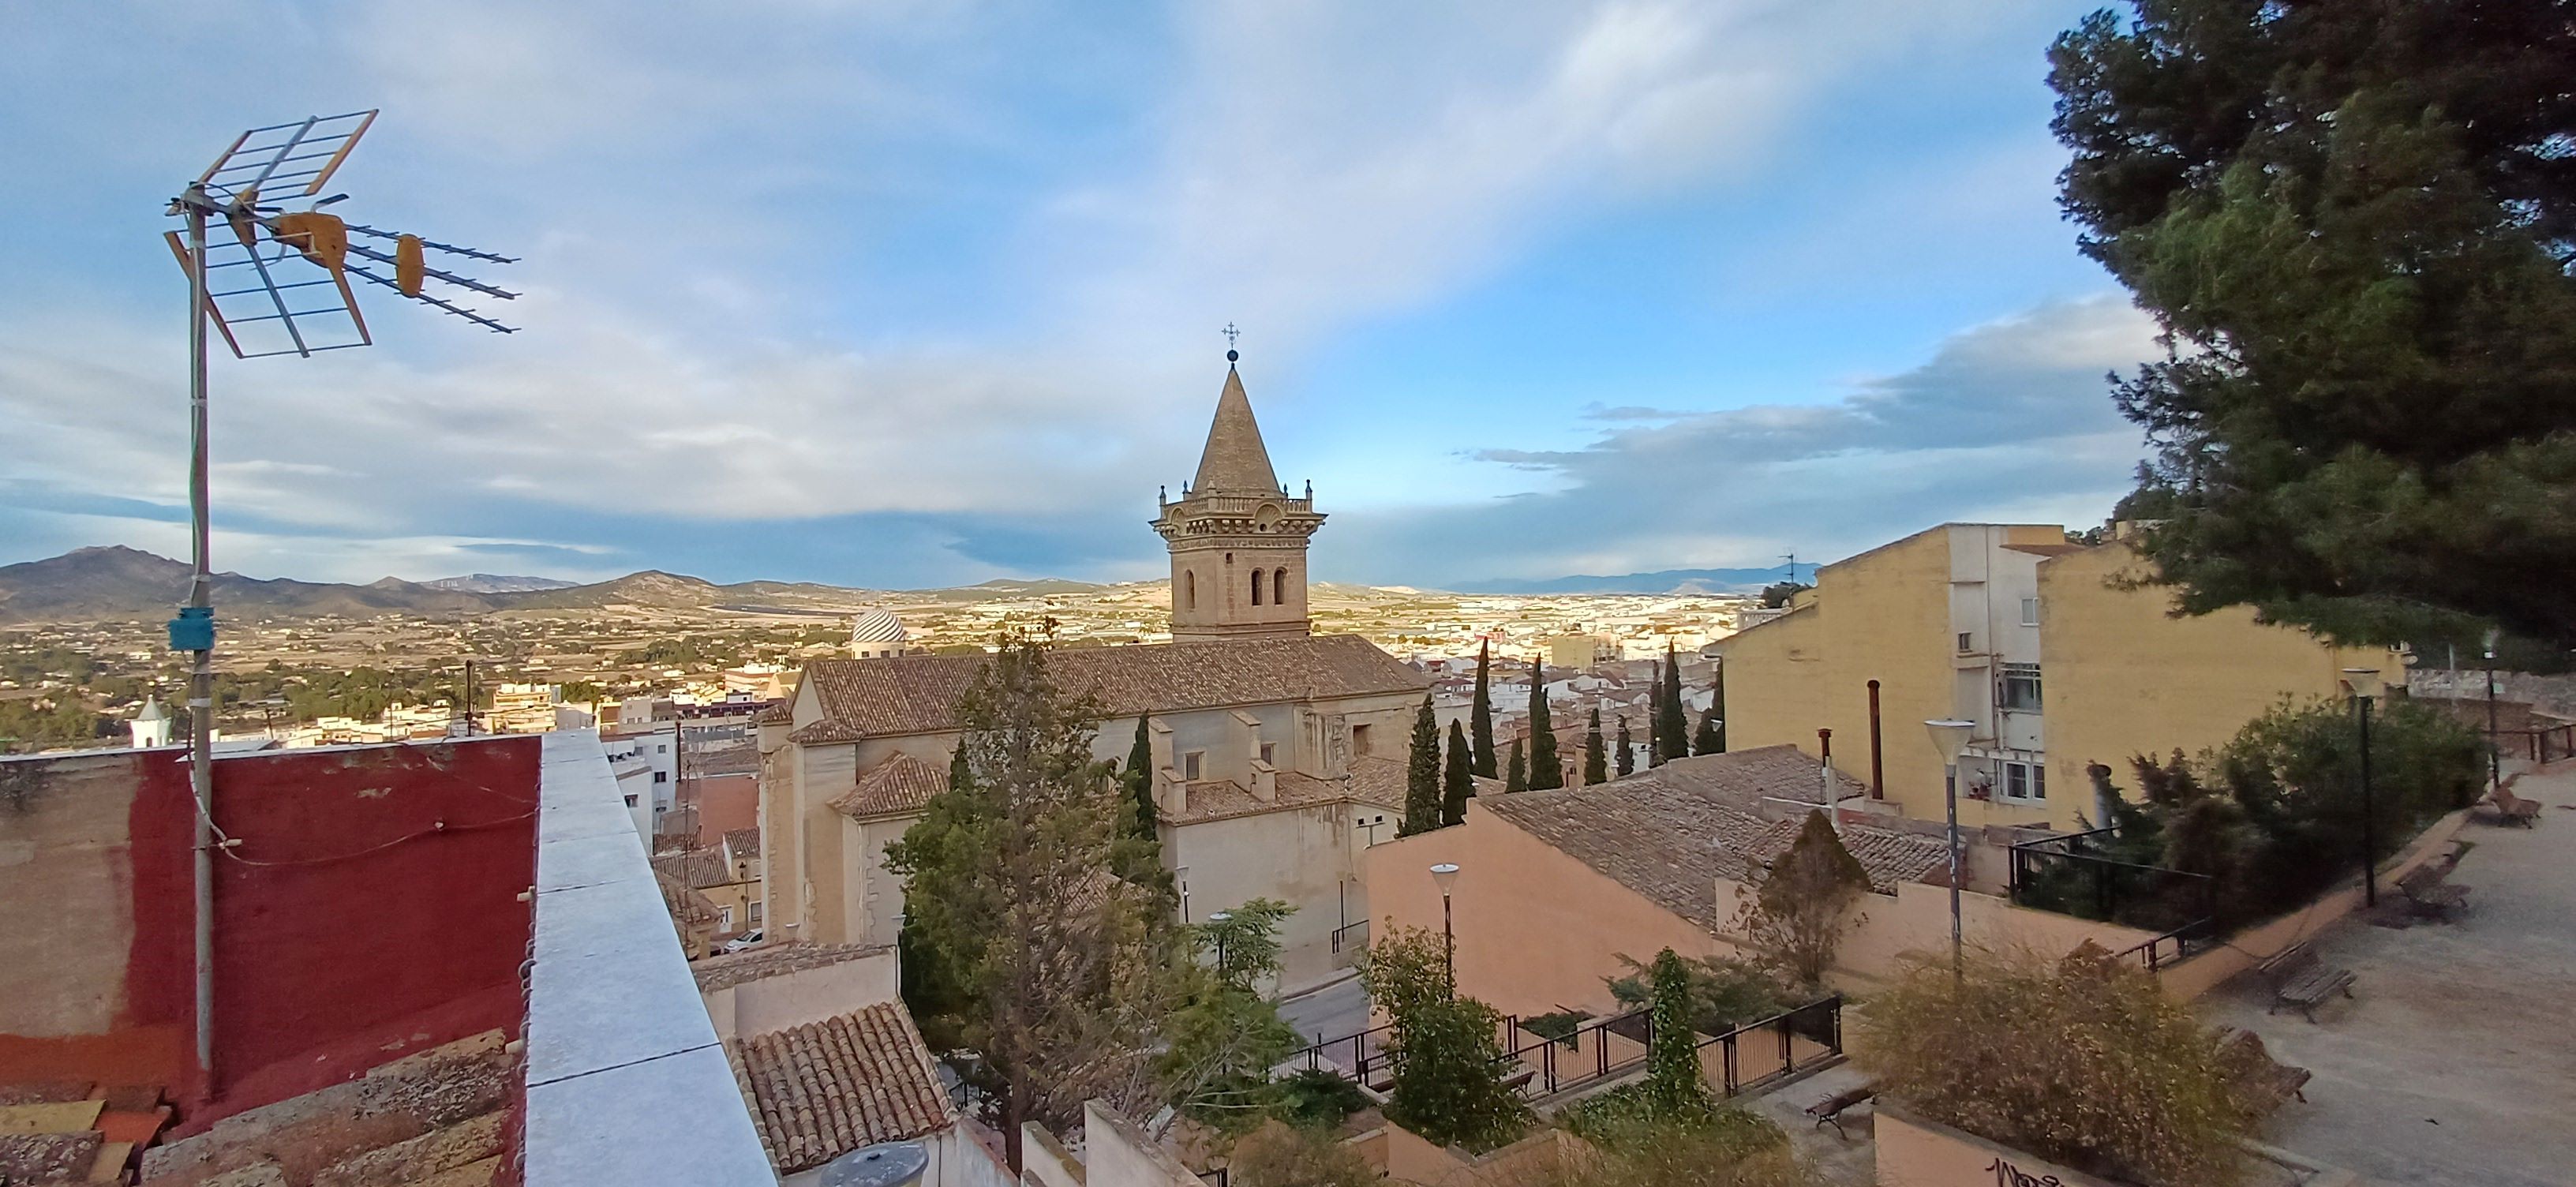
(1238,540)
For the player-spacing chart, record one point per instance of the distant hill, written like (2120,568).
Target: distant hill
(496,583)
(119,582)
(92,584)
(1669,581)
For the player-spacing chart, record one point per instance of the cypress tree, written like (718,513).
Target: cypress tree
(1717,703)
(1627,749)
(1596,765)
(1672,723)
(1546,770)
(1708,740)
(1455,787)
(1422,775)
(1480,718)
(1655,722)
(1516,771)
(1140,782)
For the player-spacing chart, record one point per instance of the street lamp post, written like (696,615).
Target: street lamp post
(1446,876)
(2365,685)
(1950,736)
(2495,756)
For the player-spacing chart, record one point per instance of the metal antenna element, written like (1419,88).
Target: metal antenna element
(277,284)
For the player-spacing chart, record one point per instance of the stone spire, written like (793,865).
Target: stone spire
(1235,461)
(1238,542)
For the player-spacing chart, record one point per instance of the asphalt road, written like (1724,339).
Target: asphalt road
(1331,1012)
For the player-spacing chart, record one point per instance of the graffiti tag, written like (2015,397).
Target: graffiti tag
(2008,1175)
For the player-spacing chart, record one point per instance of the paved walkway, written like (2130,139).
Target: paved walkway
(1331,1011)
(2456,1061)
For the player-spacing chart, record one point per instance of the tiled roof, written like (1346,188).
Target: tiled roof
(688,907)
(697,869)
(726,970)
(1670,833)
(823,1089)
(916,694)
(743,843)
(899,785)
(778,713)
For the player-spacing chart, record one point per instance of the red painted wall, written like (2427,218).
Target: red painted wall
(725,803)
(370,910)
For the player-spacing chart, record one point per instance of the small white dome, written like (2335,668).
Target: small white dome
(876,626)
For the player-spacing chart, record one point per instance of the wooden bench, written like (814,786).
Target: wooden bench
(2299,979)
(2513,809)
(1829,1111)
(2266,1083)
(2428,895)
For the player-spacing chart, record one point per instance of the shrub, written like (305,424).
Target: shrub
(1278,1155)
(1446,1050)
(2083,1061)
(1316,1098)
(1672,1083)
(1725,991)
(1631,1144)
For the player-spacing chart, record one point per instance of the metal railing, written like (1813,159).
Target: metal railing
(1745,1058)
(2182,943)
(2069,875)
(1350,937)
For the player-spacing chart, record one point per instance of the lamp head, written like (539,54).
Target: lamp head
(2364,682)
(1950,736)
(1446,875)
(1220,916)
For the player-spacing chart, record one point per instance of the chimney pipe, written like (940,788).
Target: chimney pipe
(1877,757)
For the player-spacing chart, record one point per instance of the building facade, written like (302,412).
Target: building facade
(2054,650)
(1277,755)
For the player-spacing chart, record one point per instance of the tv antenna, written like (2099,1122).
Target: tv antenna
(285,290)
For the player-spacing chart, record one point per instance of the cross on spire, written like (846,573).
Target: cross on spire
(1231,334)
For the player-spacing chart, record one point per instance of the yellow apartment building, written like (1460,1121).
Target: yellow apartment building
(2050,647)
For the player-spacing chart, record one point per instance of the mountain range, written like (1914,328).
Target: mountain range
(88,584)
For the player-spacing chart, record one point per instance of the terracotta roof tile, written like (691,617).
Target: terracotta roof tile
(697,869)
(688,907)
(916,694)
(823,1089)
(898,786)
(1671,832)
(726,970)
(744,843)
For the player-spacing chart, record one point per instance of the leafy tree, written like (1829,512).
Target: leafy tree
(1797,916)
(1673,1085)
(1226,1036)
(1422,775)
(1009,898)
(1672,722)
(1627,764)
(1546,770)
(2083,1060)
(1316,1098)
(1515,771)
(2356,224)
(1596,763)
(1446,1050)
(1778,593)
(1279,1155)
(1480,718)
(1456,788)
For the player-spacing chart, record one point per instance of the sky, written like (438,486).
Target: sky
(905,293)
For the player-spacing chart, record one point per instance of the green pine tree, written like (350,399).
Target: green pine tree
(1456,788)
(1422,775)
(1516,770)
(1596,763)
(1480,718)
(1672,722)
(1545,769)
(1627,764)
(2356,227)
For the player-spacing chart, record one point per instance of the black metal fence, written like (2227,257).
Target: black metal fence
(2072,874)
(1741,1060)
